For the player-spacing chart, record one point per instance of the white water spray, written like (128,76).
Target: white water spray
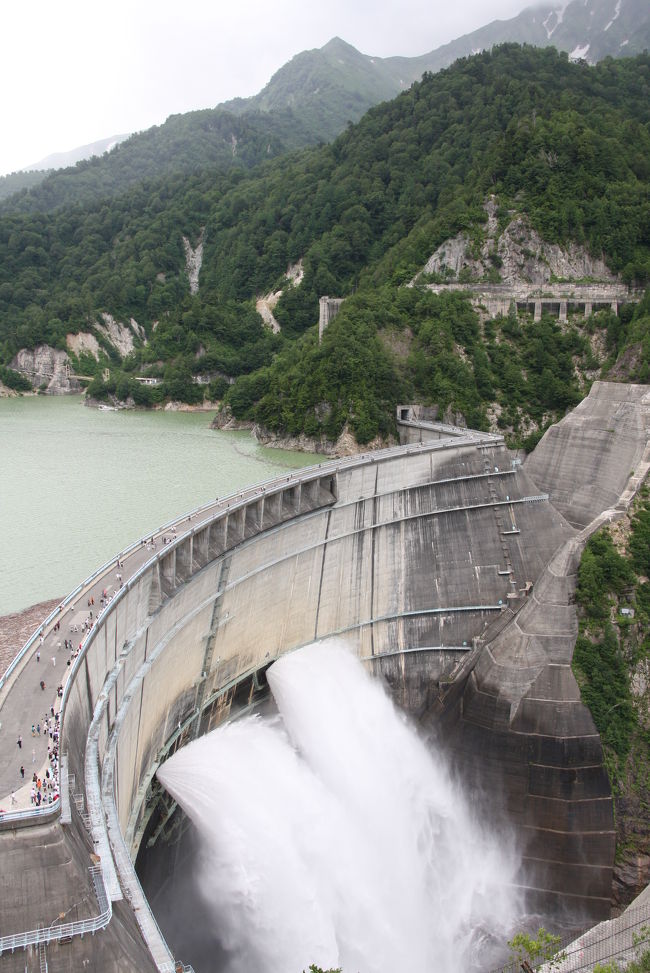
(333,836)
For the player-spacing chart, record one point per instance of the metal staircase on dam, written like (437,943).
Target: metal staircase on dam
(79,801)
(503,529)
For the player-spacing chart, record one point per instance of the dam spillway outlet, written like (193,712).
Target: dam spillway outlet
(331,834)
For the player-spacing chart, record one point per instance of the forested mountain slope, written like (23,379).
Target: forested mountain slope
(16,182)
(315,95)
(184,144)
(565,144)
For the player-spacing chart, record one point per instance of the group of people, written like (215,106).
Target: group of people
(45,790)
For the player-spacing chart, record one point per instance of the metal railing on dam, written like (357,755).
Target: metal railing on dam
(329,549)
(64,930)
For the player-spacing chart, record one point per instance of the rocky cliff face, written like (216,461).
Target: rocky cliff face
(120,335)
(515,255)
(345,445)
(46,368)
(193,261)
(51,370)
(83,342)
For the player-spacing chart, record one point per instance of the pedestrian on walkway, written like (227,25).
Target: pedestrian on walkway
(53,661)
(19,741)
(22,771)
(42,685)
(33,756)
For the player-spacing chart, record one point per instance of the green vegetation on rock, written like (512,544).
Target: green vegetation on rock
(611,660)
(14,380)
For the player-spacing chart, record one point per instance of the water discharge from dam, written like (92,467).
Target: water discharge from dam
(331,834)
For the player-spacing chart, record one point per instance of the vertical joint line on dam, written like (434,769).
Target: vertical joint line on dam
(487,460)
(322,569)
(211,640)
(373,534)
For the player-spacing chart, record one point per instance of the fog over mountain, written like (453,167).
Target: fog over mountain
(335,83)
(61,160)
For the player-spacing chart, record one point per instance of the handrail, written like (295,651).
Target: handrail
(84,584)
(79,927)
(31,812)
(259,488)
(223,507)
(226,504)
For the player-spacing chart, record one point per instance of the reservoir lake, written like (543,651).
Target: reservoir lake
(77,485)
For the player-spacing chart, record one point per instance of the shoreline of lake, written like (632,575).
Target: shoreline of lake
(78,485)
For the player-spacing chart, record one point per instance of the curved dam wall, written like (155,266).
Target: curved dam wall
(409,555)
(419,557)
(513,715)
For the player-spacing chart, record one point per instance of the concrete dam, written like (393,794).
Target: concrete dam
(446,564)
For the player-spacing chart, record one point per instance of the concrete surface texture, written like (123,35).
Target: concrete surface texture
(412,555)
(584,461)
(519,722)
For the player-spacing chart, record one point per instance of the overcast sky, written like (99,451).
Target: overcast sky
(75,71)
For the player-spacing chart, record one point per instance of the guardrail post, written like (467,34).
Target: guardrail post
(168,573)
(184,560)
(272,510)
(235,527)
(155,590)
(253,517)
(217,533)
(291,501)
(200,549)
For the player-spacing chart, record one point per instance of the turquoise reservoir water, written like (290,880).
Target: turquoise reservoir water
(77,484)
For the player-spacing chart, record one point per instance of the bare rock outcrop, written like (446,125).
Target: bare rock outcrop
(83,342)
(264,307)
(120,335)
(193,261)
(266,304)
(345,445)
(47,369)
(296,272)
(518,254)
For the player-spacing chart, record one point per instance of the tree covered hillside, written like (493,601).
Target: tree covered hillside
(185,143)
(566,144)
